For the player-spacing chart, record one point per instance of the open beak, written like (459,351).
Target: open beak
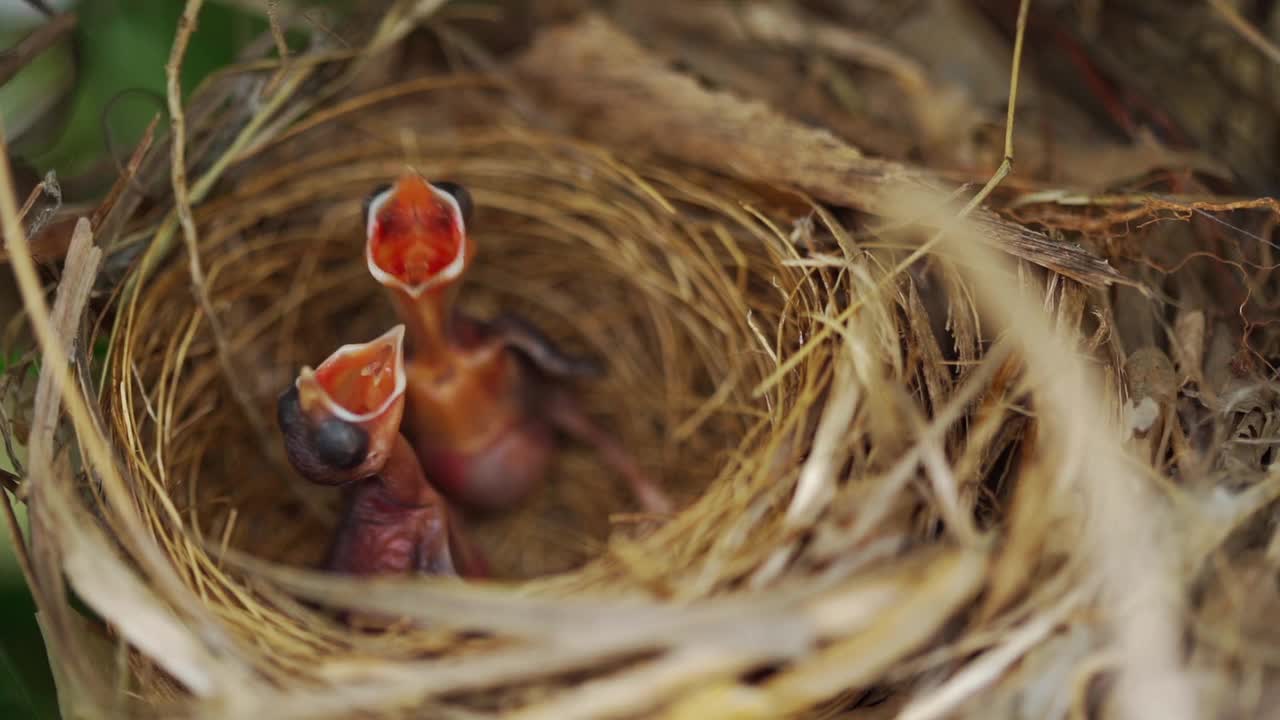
(362,384)
(416,237)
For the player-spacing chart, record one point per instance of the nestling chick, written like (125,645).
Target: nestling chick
(484,399)
(341,426)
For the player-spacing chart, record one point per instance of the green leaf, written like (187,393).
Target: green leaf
(123,46)
(11,359)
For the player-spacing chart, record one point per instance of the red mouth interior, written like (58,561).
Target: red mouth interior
(416,233)
(360,381)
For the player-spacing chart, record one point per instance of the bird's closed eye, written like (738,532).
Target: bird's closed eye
(340,444)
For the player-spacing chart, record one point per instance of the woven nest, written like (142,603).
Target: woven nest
(687,285)
(600,254)
(901,487)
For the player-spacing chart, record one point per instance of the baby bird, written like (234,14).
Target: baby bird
(484,399)
(341,426)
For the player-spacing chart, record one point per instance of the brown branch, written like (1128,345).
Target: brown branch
(35,194)
(41,7)
(182,204)
(1250,33)
(13,60)
(126,177)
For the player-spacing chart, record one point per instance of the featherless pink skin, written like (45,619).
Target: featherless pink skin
(341,426)
(483,399)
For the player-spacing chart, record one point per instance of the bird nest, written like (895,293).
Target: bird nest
(691,288)
(899,485)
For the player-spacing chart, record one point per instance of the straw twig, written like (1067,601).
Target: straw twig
(1251,34)
(182,203)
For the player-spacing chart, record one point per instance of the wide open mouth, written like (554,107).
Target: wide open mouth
(416,236)
(359,382)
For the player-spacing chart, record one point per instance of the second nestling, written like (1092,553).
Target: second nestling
(341,426)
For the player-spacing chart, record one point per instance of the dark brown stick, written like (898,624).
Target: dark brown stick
(29,48)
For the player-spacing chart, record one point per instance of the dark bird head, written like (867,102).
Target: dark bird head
(340,420)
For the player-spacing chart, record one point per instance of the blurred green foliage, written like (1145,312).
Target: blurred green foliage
(122,48)
(83,105)
(12,358)
(26,684)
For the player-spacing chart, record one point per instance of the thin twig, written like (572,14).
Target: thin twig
(277,33)
(36,192)
(41,7)
(46,187)
(13,60)
(126,177)
(282,47)
(182,203)
(161,243)
(1246,30)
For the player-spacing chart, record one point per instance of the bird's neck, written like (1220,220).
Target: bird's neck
(403,481)
(428,320)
